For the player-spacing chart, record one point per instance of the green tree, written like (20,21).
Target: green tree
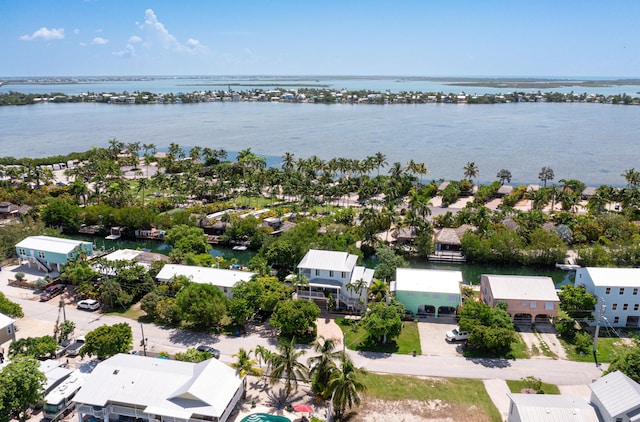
(188,239)
(388,262)
(490,329)
(192,355)
(62,213)
(21,385)
(294,317)
(286,365)
(108,340)
(545,175)
(471,170)
(577,302)
(149,303)
(382,322)
(627,361)
(10,308)
(202,305)
(112,294)
(345,385)
(323,365)
(35,347)
(504,175)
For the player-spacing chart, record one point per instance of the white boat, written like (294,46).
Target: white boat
(568,267)
(239,248)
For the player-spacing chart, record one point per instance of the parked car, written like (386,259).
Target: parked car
(457,335)
(214,352)
(89,304)
(52,291)
(74,349)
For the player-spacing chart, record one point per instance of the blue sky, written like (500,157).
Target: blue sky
(328,37)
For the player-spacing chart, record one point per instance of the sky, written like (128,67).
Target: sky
(324,37)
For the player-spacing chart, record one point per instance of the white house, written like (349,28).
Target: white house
(550,407)
(225,280)
(133,387)
(336,273)
(617,397)
(615,288)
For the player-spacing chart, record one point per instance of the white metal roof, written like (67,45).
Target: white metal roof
(362,273)
(553,408)
(122,255)
(328,260)
(6,321)
(426,281)
(161,386)
(50,244)
(617,392)
(204,275)
(518,287)
(611,277)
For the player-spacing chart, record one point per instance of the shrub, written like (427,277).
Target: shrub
(20,276)
(583,342)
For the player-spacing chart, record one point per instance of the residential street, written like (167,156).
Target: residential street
(41,316)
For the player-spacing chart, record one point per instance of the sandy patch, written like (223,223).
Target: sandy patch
(374,410)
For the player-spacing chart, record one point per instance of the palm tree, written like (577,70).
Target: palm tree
(380,161)
(345,385)
(632,177)
(504,175)
(378,290)
(244,366)
(286,364)
(143,184)
(471,171)
(323,365)
(545,175)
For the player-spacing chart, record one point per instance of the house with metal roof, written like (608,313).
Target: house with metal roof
(617,291)
(529,299)
(50,254)
(132,387)
(617,398)
(431,292)
(335,273)
(550,408)
(222,278)
(7,329)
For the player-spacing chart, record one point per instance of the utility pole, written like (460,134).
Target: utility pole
(595,336)
(144,340)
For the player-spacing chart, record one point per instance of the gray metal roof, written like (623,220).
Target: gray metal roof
(162,387)
(517,287)
(617,392)
(328,260)
(553,408)
(215,276)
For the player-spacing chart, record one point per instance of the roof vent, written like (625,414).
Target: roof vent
(116,372)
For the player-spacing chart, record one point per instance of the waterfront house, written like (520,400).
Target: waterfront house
(431,292)
(50,253)
(617,291)
(335,273)
(617,397)
(224,279)
(529,299)
(7,329)
(9,210)
(134,387)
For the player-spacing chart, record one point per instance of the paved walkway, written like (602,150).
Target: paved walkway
(498,390)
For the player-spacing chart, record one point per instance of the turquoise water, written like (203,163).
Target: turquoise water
(264,417)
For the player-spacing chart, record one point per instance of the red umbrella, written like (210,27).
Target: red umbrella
(303,408)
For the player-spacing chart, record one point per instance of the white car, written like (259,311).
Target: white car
(89,304)
(456,335)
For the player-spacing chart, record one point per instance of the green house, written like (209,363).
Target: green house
(50,253)
(431,292)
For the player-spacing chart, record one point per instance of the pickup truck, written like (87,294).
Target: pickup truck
(75,347)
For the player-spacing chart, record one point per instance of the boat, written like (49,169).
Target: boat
(239,248)
(568,267)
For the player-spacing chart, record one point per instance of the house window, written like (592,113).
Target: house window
(436,295)
(625,307)
(344,275)
(607,290)
(524,303)
(453,298)
(40,254)
(614,307)
(548,306)
(21,251)
(636,307)
(317,273)
(425,295)
(635,291)
(533,305)
(330,273)
(616,320)
(621,290)
(225,290)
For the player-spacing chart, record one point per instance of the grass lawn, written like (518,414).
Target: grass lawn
(466,399)
(518,351)
(607,349)
(358,339)
(133,312)
(517,386)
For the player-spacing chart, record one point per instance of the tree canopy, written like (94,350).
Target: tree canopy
(294,317)
(490,329)
(21,385)
(202,305)
(108,340)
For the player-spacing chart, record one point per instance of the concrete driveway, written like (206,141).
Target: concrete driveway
(540,338)
(432,333)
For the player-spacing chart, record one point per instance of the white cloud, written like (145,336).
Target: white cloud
(129,51)
(157,31)
(99,41)
(76,31)
(45,34)
(83,44)
(134,39)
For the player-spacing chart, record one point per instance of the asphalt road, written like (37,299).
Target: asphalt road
(560,372)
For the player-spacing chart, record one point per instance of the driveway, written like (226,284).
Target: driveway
(432,340)
(541,340)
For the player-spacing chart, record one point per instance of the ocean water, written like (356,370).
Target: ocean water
(590,142)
